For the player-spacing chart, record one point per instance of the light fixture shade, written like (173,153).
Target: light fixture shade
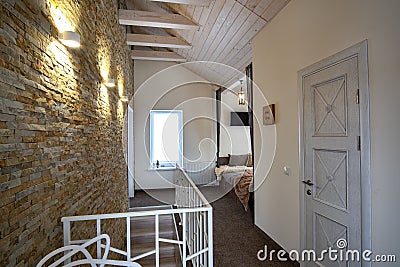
(109,82)
(70,38)
(242,98)
(124,98)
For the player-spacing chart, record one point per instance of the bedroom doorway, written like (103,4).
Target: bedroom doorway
(235,141)
(334,155)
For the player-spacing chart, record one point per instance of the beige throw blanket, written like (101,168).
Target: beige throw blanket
(242,185)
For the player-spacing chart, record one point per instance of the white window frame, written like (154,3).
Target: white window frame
(170,165)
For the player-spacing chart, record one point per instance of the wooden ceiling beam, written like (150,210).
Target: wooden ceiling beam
(156,41)
(186,2)
(157,55)
(154,19)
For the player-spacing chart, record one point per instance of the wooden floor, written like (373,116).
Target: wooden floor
(143,236)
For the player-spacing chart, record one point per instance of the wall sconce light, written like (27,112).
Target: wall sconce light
(241,96)
(124,98)
(70,38)
(109,82)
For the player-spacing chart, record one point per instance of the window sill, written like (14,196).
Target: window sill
(162,169)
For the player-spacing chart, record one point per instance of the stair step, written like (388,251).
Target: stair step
(150,238)
(149,222)
(147,208)
(164,262)
(166,250)
(143,238)
(164,228)
(143,229)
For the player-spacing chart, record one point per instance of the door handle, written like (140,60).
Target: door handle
(308,182)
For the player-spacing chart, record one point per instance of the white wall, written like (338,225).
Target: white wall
(305,32)
(235,140)
(166,90)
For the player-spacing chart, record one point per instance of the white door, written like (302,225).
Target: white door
(331,157)
(131,157)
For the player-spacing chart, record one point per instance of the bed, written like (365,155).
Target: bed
(235,174)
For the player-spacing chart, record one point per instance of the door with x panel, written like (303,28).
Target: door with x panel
(331,158)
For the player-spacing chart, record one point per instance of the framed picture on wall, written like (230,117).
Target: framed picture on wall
(269,114)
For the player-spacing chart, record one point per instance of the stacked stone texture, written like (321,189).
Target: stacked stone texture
(61,148)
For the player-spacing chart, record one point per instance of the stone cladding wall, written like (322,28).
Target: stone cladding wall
(61,151)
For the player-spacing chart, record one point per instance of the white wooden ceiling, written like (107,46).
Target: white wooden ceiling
(198,30)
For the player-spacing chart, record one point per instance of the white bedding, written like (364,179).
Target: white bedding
(219,171)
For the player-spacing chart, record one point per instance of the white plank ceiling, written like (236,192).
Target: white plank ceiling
(198,30)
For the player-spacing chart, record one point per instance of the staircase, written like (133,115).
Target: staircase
(143,236)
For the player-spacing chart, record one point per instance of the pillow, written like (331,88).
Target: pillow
(249,162)
(223,161)
(238,160)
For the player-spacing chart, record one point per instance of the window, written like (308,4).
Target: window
(165,139)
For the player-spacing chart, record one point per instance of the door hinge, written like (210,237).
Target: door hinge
(358,96)
(359,143)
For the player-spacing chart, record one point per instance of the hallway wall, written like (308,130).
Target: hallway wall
(305,32)
(60,128)
(167,86)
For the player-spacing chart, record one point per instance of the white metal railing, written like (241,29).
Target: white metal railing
(196,226)
(194,211)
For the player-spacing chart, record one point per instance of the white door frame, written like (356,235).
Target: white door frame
(361,51)
(131,157)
